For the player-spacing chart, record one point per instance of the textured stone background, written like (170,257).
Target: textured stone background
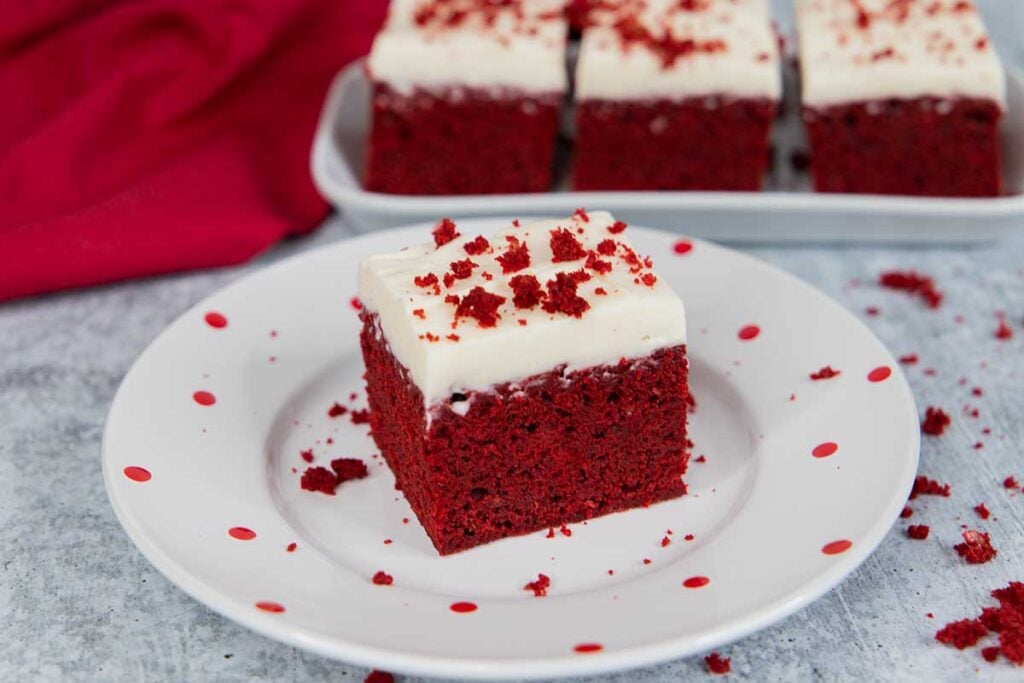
(79,603)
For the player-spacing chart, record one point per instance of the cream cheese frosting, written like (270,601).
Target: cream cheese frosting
(517,45)
(675,49)
(630,311)
(863,50)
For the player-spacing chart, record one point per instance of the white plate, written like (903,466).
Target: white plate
(786,211)
(761,508)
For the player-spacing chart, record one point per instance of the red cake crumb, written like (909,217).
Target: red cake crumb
(607,247)
(539,586)
(617,227)
(648,279)
(913,283)
(935,421)
(717,664)
(420,313)
(918,532)
(551,532)
(348,469)
(826,372)
(961,634)
(688,537)
(990,654)
(319,479)
(427,281)
(480,305)
(923,486)
(701,458)
(448,280)
(562,296)
(665,541)
(376,676)
(564,530)
(582,215)
(383,579)
(453,337)
(462,269)
(290,548)
(516,257)
(477,245)
(360,417)
(596,264)
(976,548)
(307,455)
(909,359)
(1004,331)
(1010,483)
(600,291)
(565,246)
(906,512)
(444,232)
(527,292)
(982,511)
(336,410)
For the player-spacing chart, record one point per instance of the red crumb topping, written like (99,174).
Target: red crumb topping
(383,579)
(565,246)
(419,313)
(701,458)
(935,421)
(665,541)
(360,417)
(617,227)
(826,372)
(453,337)
(427,281)
(376,676)
(597,264)
(667,47)
(976,548)
(480,305)
(962,634)
(982,511)
(319,479)
(582,215)
(291,547)
(990,654)
(477,246)
(349,469)
(717,664)
(449,280)
(909,359)
(539,586)
(452,299)
(336,410)
(913,283)
(564,530)
(562,296)
(906,512)
(606,247)
(307,455)
(918,532)
(527,291)
(923,486)
(1010,483)
(462,269)
(648,279)
(516,257)
(444,232)
(600,291)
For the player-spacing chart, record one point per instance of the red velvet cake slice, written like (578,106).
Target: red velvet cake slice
(675,95)
(466,96)
(524,380)
(900,97)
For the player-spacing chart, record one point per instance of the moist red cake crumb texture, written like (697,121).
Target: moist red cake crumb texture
(918,532)
(935,421)
(539,586)
(615,148)
(327,481)
(456,141)
(1006,621)
(717,664)
(976,548)
(382,578)
(923,486)
(922,146)
(555,448)
(914,283)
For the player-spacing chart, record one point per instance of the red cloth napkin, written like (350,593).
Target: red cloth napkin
(152,136)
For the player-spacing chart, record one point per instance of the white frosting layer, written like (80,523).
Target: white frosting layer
(631,321)
(523,48)
(736,52)
(876,49)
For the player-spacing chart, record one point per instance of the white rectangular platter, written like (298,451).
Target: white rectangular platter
(787,210)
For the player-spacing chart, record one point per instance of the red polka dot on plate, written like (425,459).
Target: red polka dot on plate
(204,398)
(836,547)
(216,320)
(463,607)
(696,582)
(823,450)
(880,374)
(139,474)
(274,607)
(749,332)
(588,648)
(241,533)
(682,247)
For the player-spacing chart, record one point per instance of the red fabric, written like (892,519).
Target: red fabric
(159,135)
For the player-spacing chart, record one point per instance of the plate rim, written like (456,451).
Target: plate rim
(498,668)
